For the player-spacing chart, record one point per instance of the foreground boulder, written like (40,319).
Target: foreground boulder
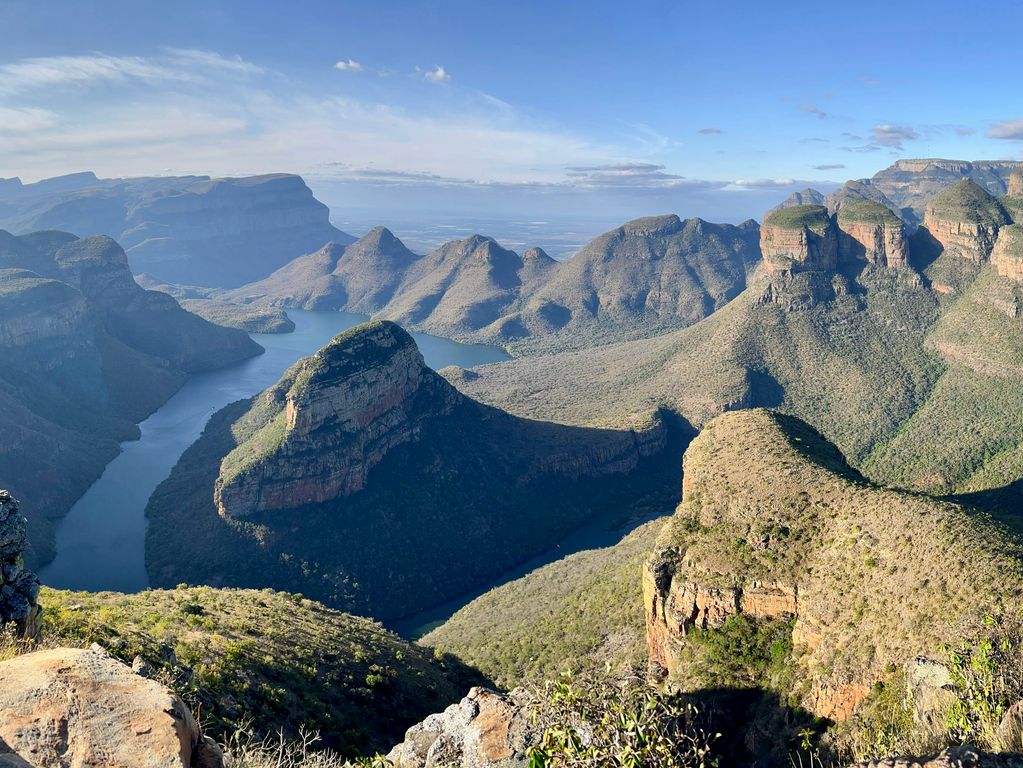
(484,730)
(82,708)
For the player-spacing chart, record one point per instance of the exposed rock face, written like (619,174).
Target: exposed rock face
(1014,186)
(799,239)
(85,709)
(193,229)
(870,231)
(965,220)
(19,588)
(1007,255)
(484,730)
(351,403)
(757,483)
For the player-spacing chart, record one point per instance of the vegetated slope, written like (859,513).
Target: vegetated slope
(87,353)
(267,661)
(192,229)
(582,611)
(892,349)
(365,480)
(775,525)
(645,277)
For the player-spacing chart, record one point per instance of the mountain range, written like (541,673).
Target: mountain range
(187,229)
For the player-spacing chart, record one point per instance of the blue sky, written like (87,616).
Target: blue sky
(535,108)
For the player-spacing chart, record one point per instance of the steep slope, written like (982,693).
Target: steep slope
(191,229)
(87,353)
(266,661)
(773,524)
(364,479)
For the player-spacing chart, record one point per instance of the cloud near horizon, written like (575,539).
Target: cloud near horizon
(1011,130)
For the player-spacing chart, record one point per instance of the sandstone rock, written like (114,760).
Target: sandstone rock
(353,401)
(869,231)
(955,757)
(965,220)
(1007,255)
(484,730)
(18,588)
(82,708)
(799,239)
(1014,187)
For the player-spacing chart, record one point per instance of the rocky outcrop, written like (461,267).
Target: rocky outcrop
(484,730)
(85,709)
(774,524)
(965,221)
(19,587)
(868,231)
(1007,255)
(350,404)
(799,239)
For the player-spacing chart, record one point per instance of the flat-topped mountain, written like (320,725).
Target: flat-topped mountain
(87,353)
(365,479)
(192,229)
(643,278)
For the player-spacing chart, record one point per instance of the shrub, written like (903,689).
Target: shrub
(597,720)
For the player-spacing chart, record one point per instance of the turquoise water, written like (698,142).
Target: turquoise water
(101,541)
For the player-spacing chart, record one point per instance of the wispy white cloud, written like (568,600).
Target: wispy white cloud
(348,65)
(437,75)
(710,131)
(764,183)
(829,167)
(813,109)
(25,120)
(177,65)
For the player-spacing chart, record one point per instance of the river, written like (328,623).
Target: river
(101,541)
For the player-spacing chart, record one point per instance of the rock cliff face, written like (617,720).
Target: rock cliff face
(81,707)
(363,467)
(774,524)
(192,230)
(799,239)
(870,231)
(1007,255)
(87,353)
(965,220)
(19,587)
(359,397)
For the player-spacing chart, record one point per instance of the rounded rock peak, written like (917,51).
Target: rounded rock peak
(798,217)
(967,201)
(653,226)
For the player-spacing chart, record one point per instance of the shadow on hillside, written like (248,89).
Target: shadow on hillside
(757,729)
(924,249)
(1005,503)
